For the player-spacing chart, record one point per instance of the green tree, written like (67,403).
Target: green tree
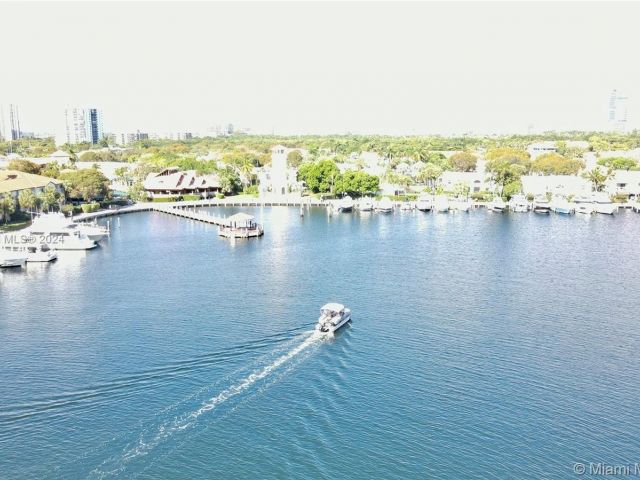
(429,174)
(506,175)
(357,183)
(27,200)
(463,161)
(294,158)
(48,197)
(88,184)
(229,181)
(597,178)
(618,163)
(7,207)
(320,177)
(554,164)
(51,170)
(26,166)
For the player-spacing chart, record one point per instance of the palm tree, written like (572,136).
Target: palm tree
(7,207)
(27,200)
(597,178)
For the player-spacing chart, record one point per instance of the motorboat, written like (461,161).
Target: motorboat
(384,205)
(332,317)
(33,253)
(424,203)
(519,203)
(345,204)
(365,205)
(603,204)
(441,204)
(561,205)
(636,207)
(9,258)
(406,206)
(497,205)
(57,221)
(461,204)
(541,204)
(583,205)
(55,238)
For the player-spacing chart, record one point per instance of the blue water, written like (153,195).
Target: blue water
(482,346)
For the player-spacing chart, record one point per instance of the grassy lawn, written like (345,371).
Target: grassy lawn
(8,227)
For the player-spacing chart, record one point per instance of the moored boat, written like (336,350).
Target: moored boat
(384,205)
(562,206)
(541,204)
(461,204)
(332,317)
(9,258)
(406,206)
(424,203)
(583,205)
(603,204)
(497,205)
(345,204)
(365,204)
(441,204)
(519,203)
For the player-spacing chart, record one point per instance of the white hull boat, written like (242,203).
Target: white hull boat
(406,206)
(519,204)
(461,205)
(9,259)
(441,204)
(541,205)
(424,204)
(497,205)
(332,317)
(384,206)
(57,222)
(562,206)
(365,205)
(583,205)
(603,204)
(345,204)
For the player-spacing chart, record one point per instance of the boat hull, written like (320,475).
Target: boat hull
(332,328)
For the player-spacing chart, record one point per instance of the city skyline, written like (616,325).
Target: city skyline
(388,72)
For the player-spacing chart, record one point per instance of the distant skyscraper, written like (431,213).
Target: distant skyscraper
(9,122)
(83,125)
(618,111)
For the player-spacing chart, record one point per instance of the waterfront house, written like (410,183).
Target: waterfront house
(624,182)
(12,182)
(555,184)
(474,181)
(278,179)
(173,182)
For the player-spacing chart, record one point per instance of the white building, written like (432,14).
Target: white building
(474,181)
(623,181)
(278,179)
(540,148)
(81,125)
(555,184)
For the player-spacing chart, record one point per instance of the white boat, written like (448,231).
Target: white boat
(603,204)
(519,203)
(441,204)
(561,205)
(406,206)
(332,317)
(57,221)
(541,204)
(497,205)
(636,207)
(9,258)
(583,205)
(55,238)
(33,253)
(384,205)
(365,205)
(461,204)
(424,203)
(345,204)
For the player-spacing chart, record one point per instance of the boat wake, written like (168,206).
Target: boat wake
(158,434)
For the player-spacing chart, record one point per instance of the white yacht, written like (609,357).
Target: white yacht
(441,204)
(583,205)
(58,221)
(424,203)
(345,204)
(33,253)
(55,237)
(461,204)
(332,317)
(384,205)
(561,205)
(497,205)
(518,203)
(365,205)
(9,258)
(603,204)
(541,204)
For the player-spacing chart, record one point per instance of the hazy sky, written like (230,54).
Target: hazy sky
(392,68)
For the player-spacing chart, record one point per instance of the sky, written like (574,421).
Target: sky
(322,68)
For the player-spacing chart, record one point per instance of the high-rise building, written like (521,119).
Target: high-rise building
(9,122)
(83,125)
(618,111)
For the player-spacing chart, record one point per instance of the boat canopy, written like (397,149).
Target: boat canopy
(333,307)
